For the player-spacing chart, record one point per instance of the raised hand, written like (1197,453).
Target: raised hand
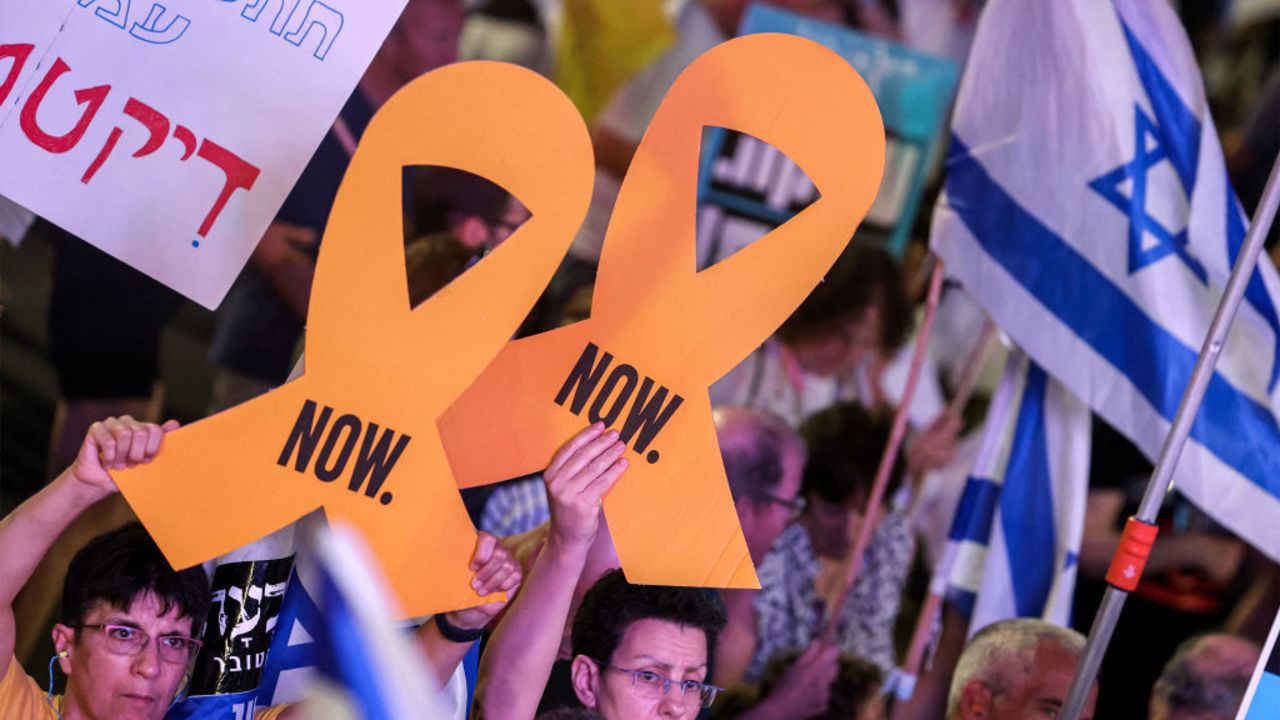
(495,571)
(934,447)
(804,690)
(116,444)
(577,479)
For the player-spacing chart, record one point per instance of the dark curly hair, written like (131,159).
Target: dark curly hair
(845,444)
(118,567)
(864,276)
(612,604)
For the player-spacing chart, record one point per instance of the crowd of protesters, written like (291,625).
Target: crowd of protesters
(801,424)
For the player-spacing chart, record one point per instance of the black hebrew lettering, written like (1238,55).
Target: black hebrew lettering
(246,599)
(645,416)
(373,463)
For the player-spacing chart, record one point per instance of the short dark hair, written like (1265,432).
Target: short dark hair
(857,682)
(611,605)
(845,443)
(118,567)
(864,275)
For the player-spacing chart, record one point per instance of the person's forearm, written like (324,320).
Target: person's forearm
(29,531)
(518,660)
(443,654)
(26,535)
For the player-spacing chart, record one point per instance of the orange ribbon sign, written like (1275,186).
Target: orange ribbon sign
(660,332)
(357,433)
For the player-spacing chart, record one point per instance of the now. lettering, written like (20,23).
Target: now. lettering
(648,414)
(373,462)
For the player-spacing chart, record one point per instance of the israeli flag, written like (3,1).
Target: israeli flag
(339,633)
(1087,209)
(1015,540)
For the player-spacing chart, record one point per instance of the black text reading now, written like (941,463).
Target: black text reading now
(648,413)
(374,461)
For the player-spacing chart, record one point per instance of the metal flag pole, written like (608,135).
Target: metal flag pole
(1140,532)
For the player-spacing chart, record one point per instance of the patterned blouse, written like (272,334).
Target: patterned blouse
(789,610)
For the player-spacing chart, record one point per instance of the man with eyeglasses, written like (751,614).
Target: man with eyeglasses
(638,651)
(764,462)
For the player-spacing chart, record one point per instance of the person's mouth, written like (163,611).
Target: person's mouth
(140,698)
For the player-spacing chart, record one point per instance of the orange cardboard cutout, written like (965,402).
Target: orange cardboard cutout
(357,433)
(660,333)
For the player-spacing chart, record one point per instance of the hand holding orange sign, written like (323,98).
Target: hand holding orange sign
(660,333)
(356,434)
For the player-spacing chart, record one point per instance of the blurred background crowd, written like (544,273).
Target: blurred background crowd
(802,422)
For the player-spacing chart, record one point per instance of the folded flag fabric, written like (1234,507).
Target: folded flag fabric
(1014,543)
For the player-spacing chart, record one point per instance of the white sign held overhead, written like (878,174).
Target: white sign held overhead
(169,133)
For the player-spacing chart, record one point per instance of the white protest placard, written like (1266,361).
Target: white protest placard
(169,133)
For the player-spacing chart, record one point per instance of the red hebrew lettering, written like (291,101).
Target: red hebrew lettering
(19,53)
(156,123)
(92,98)
(188,139)
(152,120)
(107,147)
(240,174)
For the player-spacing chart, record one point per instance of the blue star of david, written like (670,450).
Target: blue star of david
(1135,206)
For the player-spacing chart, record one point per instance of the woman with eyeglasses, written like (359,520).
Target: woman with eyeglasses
(129,630)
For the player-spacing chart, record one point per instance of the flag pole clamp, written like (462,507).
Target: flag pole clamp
(1132,554)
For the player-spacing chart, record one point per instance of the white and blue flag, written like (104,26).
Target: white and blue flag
(1015,540)
(336,630)
(279,631)
(1088,210)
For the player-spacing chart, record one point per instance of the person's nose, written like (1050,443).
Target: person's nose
(147,662)
(672,704)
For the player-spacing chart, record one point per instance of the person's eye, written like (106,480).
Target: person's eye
(174,642)
(649,678)
(122,633)
(691,686)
